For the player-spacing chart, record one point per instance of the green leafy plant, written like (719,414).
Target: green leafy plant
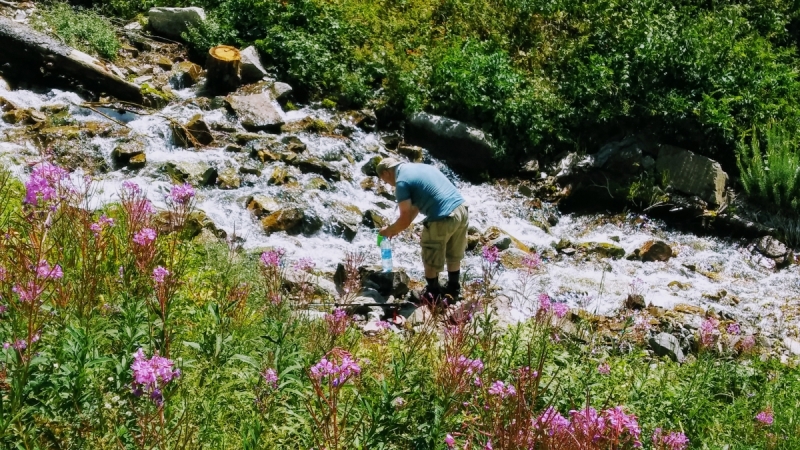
(771,175)
(83,29)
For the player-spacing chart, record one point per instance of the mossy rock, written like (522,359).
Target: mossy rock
(137,162)
(52,134)
(318,183)
(280,176)
(262,205)
(602,249)
(126,149)
(195,173)
(228,178)
(369,167)
(287,219)
(494,233)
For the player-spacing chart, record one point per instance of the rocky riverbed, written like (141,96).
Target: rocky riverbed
(270,175)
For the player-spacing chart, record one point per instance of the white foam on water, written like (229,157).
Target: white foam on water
(767,299)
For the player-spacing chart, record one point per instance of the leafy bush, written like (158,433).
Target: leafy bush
(772,175)
(83,29)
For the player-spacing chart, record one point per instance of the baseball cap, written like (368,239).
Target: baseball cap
(386,164)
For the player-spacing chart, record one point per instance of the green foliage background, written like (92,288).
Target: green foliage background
(539,75)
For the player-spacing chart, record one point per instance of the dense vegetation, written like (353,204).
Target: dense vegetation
(120,332)
(540,76)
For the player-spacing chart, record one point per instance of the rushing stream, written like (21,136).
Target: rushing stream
(763,300)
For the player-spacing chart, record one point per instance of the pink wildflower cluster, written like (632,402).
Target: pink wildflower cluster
(338,373)
(45,271)
(28,293)
(21,344)
(532,261)
(604,369)
(151,375)
(3,273)
(612,426)
(43,183)
(765,417)
(502,390)
(273,258)
(102,223)
(337,322)
(270,378)
(734,329)
(466,365)
(304,265)
(673,440)
(131,188)
(547,306)
(709,331)
(748,342)
(160,274)
(181,193)
(491,254)
(144,237)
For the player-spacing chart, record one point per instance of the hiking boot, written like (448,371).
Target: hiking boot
(425,296)
(452,292)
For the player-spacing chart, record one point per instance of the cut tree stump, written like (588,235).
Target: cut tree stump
(223,69)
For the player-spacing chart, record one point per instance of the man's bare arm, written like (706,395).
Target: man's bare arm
(408,213)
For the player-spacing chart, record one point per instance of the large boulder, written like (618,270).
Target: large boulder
(345,220)
(172,22)
(626,157)
(464,148)
(293,220)
(665,344)
(252,70)
(261,205)
(257,112)
(393,283)
(692,174)
(318,166)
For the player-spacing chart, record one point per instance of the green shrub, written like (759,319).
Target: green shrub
(83,29)
(772,175)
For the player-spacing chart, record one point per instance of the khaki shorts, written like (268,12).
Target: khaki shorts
(446,239)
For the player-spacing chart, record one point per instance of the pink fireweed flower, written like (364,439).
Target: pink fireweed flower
(624,427)
(604,369)
(29,293)
(101,223)
(398,402)
(304,265)
(151,375)
(450,441)
(544,303)
(273,258)
(552,422)
(338,374)
(587,424)
(3,309)
(748,342)
(144,237)
(3,274)
(181,193)
(765,417)
(337,322)
(502,390)
(674,440)
(271,378)
(708,331)
(20,344)
(160,274)
(488,445)
(560,310)
(466,365)
(131,188)
(43,270)
(491,254)
(43,183)
(532,261)
(734,329)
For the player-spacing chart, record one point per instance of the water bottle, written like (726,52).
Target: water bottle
(386,254)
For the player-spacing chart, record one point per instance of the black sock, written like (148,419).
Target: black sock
(453,279)
(433,284)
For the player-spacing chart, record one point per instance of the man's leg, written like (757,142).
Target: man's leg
(455,249)
(433,257)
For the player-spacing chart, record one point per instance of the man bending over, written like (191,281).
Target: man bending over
(423,188)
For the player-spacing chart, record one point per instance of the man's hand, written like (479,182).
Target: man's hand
(387,232)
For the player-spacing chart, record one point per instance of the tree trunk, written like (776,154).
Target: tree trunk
(35,55)
(223,69)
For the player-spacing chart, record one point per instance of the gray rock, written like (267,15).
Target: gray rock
(464,148)
(318,166)
(387,283)
(692,174)
(257,112)
(571,164)
(771,247)
(502,242)
(530,167)
(195,173)
(665,344)
(127,149)
(252,70)
(229,178)
(172,22)
(281,91)
(368,168)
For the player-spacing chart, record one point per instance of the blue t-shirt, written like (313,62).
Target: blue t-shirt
(428,189)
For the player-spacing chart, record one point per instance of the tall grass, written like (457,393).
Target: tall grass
(118,331)
(83,29)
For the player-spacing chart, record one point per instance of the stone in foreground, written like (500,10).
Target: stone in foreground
(172,22)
